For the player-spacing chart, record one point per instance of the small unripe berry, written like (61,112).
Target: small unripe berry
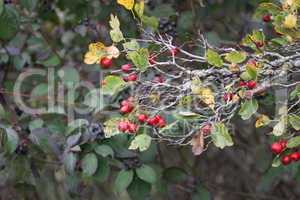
(132,77)
(142,118)
(267,18)
(285,160)
(126,68)
(106,63)
(227,97)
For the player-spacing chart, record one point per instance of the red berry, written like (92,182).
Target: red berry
(125,103)
(123,126)
(227,97)
(294,156)
(106,63)
(259,44)
(132,128)
(126,109)
(206,129)
(161,123)
(152,60)
(132,77)
(142,118)
(242,84)
(283,144)
(126,68)
(276,148)
(153,121)
(252,62)
(158,79)
(174,51)
(251,84)
(267,18)
(285,160)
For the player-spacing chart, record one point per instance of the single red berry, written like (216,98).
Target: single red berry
(276,148)
(283,143)
(294,156)
(152,60)
(126,109)
(259,44)
(251,84)
(106,63)
(125,102)
(285,160)
(206,129)
(142,118)
(227,97)
(242,84)
(132,77)
(132,128)
(174,51)
(161,123)
(158,79)
(267,18)
(123,126)
(126,68)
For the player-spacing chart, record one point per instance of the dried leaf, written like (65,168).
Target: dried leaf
(128,4)
(198,143)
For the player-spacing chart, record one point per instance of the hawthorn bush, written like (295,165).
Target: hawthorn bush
(140,100)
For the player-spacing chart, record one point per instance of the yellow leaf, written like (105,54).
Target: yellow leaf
(128,4)
(290,21)
(207,96)
(96,51)
(98,46)
(91,58)
(262,120)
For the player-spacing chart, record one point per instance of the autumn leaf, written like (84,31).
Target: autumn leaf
(128,4)
(98,50)
(262,120)
(290,21)
(207,96)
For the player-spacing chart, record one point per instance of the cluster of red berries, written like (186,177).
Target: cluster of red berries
(127,106)
(128,127)
(279,147)
(156,121)
(249,84)
(131,77)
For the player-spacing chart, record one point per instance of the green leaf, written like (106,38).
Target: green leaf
(248,108)
(139,8)
(246,76)
(132,45)
(139,190)
(113,84)
(95,99)
(37,123)
(111,127)
(70,160)
(295,93)
(12,140)
(89,164)
(103,171)
(294,142)
(250,39)
(141,142)
(213,58)
(29,4)
(252,72)
(175,174)
(115,34)
(295,121)
(69,76)
(2,112)
(146,173)
(150,22)
(220,136)
(123,180)
(104,150)
(9,23)
(52,61)
(236,57)
(266,8)
(40,90)
(276,161)
(139,58)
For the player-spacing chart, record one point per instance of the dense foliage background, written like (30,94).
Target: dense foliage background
(42,164)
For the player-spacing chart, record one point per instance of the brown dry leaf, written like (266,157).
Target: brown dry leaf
(198,143)
(262,120)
